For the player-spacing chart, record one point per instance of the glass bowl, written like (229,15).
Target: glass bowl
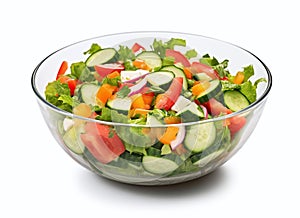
(139,164)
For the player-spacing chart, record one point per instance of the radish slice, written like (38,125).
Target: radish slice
(133,76)
(137,87)
(204,111)
(179,138)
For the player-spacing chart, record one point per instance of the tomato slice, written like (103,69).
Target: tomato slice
(216,108)
(236,124)
(203,68)
(102,142)
(179,57)
(104,69)
(136,47)
(168,99)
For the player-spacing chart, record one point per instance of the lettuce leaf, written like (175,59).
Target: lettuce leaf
(220,67)
(94,48)
(59,95)
(80,71)
(160,47)
(125,53)
(191,53)
(248,72)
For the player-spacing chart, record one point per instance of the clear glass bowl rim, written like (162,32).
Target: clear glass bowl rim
(68,114)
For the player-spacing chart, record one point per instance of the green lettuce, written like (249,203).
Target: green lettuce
(160,47)
(59,95)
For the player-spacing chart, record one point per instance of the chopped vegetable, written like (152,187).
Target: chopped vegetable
(158,91)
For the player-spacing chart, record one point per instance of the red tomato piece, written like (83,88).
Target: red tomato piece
(179,57)
(102,142)
(216,108)
(236,123)
(203,68)
(104,69)
(168,99)
(136,47)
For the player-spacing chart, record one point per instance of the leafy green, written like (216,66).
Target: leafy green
(248,72)
(66,99)
(216,65)
(125,53)
(105,114)
(249,91)
(167,61)
(160,47)
(175,41)
(132,135)
(135,149)
(112,81)
(59,95)
(210,61)
(123,92)
(227,86)
(81,72)
(259,81)
(94,48)
(191,53)
(128,65)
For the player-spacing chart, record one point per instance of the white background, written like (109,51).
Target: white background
(39,180)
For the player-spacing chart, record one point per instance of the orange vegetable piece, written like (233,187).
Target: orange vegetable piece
(169,135)
(239,78)
(105,92)
(200,87)
(188,72)
(172,120)
(113,75)
(140,64)
(138,102)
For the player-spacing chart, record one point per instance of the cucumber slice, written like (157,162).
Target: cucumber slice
(178,73)
(214,88)
(122,105)
(159,165)
(72,139)
(160,79)
(201,77)
(235,100)
(201,161)
(152,59)
(200,137)
(88,92)
(191,113)
(107,55)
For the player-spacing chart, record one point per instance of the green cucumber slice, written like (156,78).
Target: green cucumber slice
(107,55)
(178,73)
(152,59)
(235,100)
(200,136)
(214,88)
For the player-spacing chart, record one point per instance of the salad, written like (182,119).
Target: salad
(155,90)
